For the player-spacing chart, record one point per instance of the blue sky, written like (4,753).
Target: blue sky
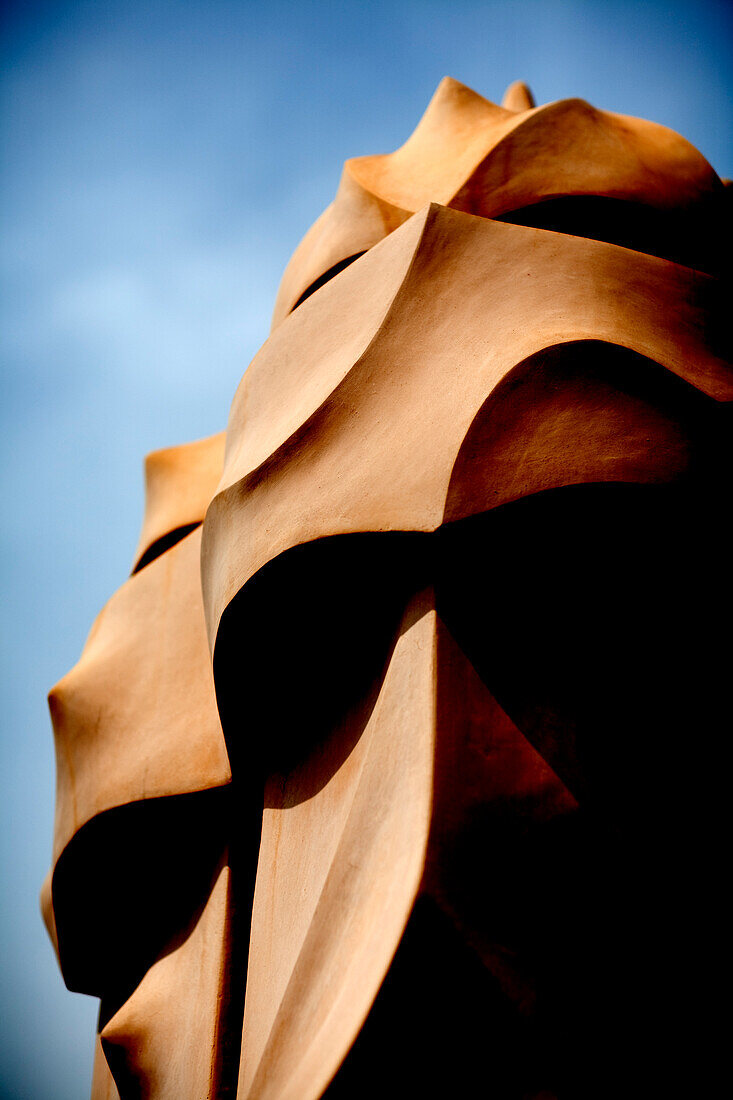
(162,160)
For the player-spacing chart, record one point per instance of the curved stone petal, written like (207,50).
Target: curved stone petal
(572,148)
(369,441)
(142,768)
(170,1033)
(349,842)
(471,154)
(179,483)
(136,718)
(325,927)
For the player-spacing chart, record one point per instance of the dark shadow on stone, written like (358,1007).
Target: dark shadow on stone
(305,644)
(441,1027)
(239,818)
(130,886)
(697,237)
(326,278)
(588,613)
(598,617)
(165,542)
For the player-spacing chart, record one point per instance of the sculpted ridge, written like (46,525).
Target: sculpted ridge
(378,451)
(382,747)
(475,156)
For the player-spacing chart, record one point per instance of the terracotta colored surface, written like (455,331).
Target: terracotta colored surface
(141,763)
(136,718)
(365,834)
(377,410)
(435,747)
(179,483)
(168,1034)
(460,584)
(475,156)
(518,97)
(103,1083)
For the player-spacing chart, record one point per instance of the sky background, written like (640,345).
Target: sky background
(161,162)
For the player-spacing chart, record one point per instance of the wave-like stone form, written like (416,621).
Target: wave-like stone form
(415,685)
(136,718)
(475,156)
(179,483)
(168,1033)
(142,778)
(378,407)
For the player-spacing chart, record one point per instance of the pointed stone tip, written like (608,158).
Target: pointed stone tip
(518,97)
(454,90)
(449,82)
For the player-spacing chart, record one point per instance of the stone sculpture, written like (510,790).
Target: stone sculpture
(449,598)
